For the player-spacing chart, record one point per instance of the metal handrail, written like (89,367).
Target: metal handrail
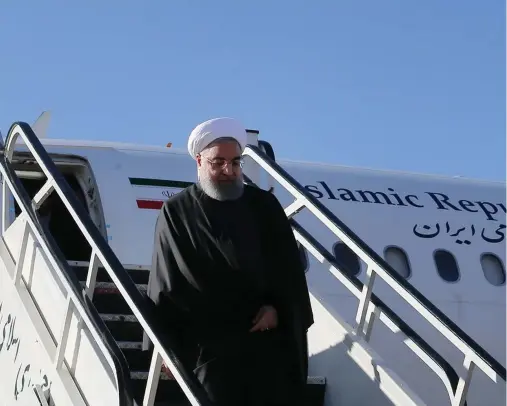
(101,252)
(377,266)
(414,341)
(88,313)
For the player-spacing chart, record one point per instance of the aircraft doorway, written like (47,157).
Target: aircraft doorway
(58,220)
(54,215)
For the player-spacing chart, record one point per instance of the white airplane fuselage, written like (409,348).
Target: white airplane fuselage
(420,215)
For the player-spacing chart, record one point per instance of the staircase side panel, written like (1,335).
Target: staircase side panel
(23,358)
(88,372)
(355,374)
(93,374)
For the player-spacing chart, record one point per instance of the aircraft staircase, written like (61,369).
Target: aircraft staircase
(71,332)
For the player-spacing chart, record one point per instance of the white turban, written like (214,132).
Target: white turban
(211,130)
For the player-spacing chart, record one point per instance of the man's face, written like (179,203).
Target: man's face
(220,172)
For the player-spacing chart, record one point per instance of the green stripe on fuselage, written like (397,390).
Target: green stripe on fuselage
(159,182)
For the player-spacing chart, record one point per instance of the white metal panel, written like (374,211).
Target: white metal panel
(92,372)
(356,374)
(26,362)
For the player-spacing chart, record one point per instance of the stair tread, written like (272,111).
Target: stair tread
(138,273)
(128,333)
(168,389)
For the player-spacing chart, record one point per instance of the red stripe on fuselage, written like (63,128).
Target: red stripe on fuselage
(150,204)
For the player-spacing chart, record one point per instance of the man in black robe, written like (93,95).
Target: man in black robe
(227,279)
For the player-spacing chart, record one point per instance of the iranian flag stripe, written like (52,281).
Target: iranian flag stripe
(159,182)
(156,204)
(150,204)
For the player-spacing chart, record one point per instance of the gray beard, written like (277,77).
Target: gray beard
(222,191)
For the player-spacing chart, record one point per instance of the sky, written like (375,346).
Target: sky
(415,86)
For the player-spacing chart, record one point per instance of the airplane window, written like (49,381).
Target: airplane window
(304,256)
(493,269)
(446,265)
(344,255)
(398,259)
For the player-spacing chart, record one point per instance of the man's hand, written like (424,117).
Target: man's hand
(266,319)
(167,371)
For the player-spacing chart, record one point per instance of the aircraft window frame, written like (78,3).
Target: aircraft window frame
(303,255)
(404,255)
(499,262)
(452,257)
(359,265)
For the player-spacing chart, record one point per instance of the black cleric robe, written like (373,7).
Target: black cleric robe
(215,264)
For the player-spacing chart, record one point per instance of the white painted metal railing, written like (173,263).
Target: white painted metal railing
(367,312)
(101,255)
(441,368)
(40,395)
(31,228)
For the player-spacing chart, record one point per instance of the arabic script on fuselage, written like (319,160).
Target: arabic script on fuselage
(493,234)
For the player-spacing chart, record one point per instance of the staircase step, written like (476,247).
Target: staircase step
(139,274)
(315,391)
(128,333)
(137,359)
(123,327)
(168,391)
(109,300)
